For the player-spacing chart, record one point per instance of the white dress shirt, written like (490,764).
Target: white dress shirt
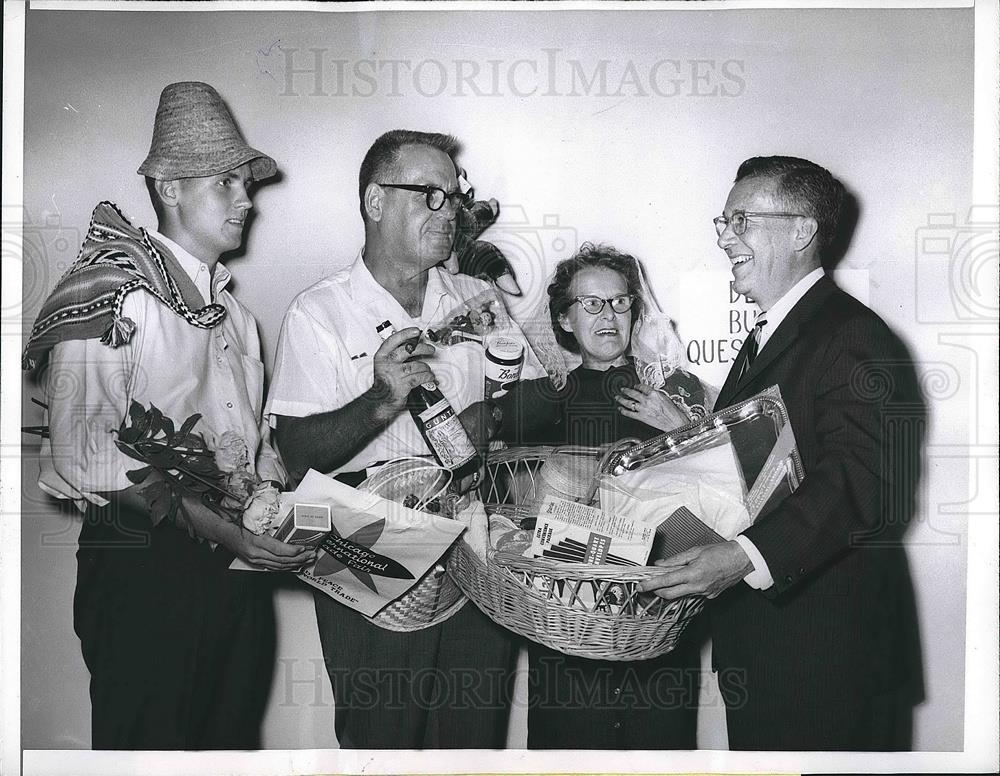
(327,347)
(760,578)
(180,368)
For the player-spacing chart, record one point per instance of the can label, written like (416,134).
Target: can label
(446,434)
(504,359)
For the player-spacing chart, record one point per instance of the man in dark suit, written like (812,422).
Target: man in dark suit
(813,622)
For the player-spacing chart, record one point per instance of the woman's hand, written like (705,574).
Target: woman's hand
(651,406)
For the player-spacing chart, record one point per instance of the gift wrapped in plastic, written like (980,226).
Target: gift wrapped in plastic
(725,470)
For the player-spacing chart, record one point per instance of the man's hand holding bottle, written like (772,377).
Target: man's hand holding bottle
(402,380)
(398,370)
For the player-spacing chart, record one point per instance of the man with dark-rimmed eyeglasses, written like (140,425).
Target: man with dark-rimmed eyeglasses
(814,613)
(338,405)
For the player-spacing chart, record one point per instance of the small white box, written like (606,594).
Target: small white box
(305,524)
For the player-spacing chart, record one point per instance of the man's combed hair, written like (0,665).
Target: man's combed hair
(590,256)
(381,162)
(803,186)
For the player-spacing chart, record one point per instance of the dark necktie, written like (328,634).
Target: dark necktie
(754,345)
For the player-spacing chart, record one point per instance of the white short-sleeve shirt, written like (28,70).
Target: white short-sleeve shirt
(328,341)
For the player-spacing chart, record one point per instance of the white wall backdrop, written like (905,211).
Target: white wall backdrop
(623,126)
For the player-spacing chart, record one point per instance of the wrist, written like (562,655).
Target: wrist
(376,405)
(742,561)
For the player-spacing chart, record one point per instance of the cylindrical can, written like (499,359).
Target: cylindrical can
(504,359)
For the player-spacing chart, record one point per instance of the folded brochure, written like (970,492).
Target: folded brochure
(374,551)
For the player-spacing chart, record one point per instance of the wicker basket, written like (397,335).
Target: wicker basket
(584,610)
(432,600)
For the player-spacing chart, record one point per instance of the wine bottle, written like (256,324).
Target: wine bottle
(439,424)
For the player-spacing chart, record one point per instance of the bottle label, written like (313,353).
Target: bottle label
(504,359)
(446,435)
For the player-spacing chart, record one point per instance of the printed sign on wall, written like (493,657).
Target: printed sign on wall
(713,319)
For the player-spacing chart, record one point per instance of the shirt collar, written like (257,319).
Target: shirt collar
(438,282)
(203,278)
(780,309)
(361,280)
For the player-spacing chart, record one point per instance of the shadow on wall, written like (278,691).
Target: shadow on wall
(850,212)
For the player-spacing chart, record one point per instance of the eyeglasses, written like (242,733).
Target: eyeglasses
(738,220)
(435,196)
(595,304)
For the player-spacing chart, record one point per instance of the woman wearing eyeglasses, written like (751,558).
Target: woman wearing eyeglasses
(575,703)
(594,300)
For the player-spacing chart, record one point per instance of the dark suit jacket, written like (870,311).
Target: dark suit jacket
(839,623)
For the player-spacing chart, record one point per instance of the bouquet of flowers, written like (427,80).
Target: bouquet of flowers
(179,463)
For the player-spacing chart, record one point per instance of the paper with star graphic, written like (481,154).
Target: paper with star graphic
(377,549)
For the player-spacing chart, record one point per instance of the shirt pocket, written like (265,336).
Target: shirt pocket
(253,373)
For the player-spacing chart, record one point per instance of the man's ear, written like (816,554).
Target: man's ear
(805,233)
(168,192)
(373,201)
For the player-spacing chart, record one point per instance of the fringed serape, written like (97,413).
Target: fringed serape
(115,259)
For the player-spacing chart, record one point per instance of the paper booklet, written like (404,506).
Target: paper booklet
(577,533)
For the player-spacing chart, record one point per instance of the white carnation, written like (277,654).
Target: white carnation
(231,453)
(261,509)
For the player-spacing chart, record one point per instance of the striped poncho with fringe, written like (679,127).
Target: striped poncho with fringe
(115,259)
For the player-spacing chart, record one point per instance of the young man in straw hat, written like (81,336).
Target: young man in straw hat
(176,644)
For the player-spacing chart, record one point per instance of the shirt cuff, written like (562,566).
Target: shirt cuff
(760,578)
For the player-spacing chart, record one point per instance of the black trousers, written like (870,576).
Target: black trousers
(576,703)
(180,649)
(879,723)
(444,687)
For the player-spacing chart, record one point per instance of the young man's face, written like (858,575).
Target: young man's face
(212,211)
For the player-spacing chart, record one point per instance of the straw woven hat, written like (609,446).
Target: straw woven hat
(194,136)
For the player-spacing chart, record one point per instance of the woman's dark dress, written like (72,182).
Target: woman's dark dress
(576,703)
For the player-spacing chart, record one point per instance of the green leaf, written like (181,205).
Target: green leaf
(141,426)
(128,435)
(168,428)
(139,475)
(188,425)
(159,502)
(131,452)
(155,421)
(169,459)
(152,490)
(135,412)
(202,466)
